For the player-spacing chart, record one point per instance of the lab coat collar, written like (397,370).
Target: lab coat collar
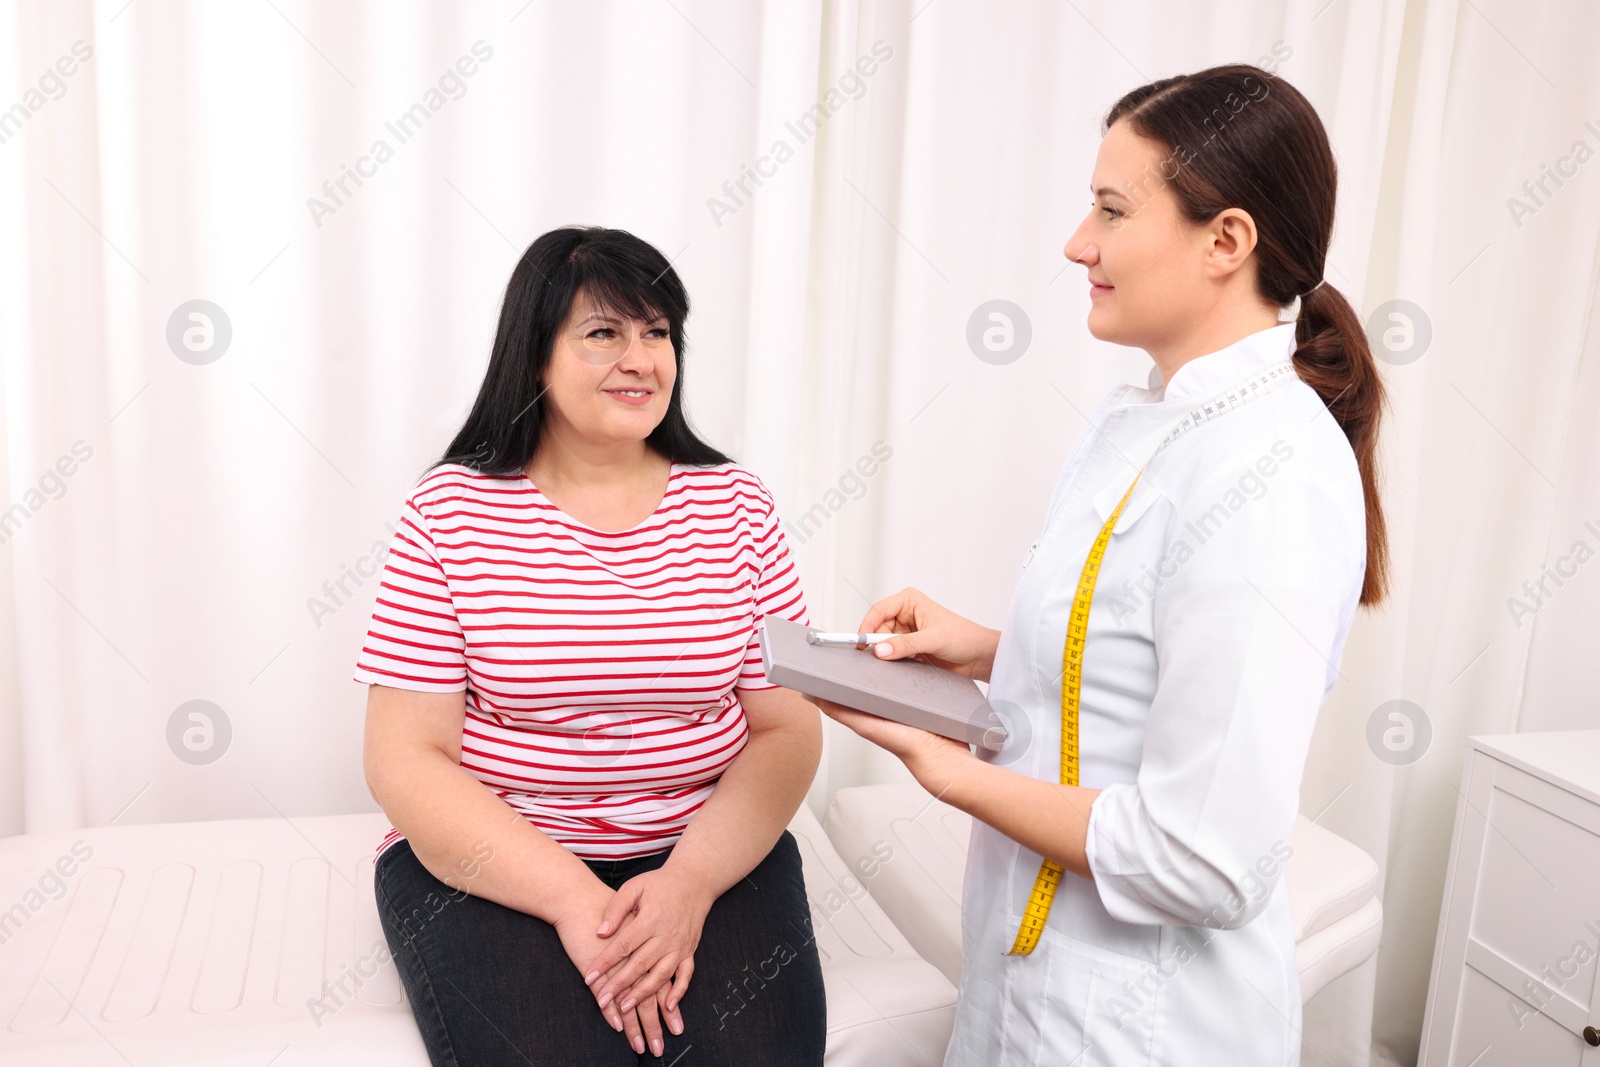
(1205,376)
(1135,429)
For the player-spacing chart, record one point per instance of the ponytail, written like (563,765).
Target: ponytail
(1249,140)
(1333,357)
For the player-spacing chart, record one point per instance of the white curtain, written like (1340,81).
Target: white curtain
(841,185)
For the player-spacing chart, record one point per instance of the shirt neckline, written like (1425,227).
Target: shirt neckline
(672,480)
(1205,375)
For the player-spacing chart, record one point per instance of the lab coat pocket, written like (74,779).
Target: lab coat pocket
(1144,497)
(1040,1023)
(1115,998)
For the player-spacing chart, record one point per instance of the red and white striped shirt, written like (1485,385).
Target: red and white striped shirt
(600,668)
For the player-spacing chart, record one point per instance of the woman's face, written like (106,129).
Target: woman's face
(1147,264)
(609,377)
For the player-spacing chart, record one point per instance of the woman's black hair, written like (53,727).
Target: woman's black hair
(622,274)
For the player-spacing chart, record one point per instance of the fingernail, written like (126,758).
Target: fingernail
(616,1022)
(589,978)
(674,1025)
(655,1046)
(884,648)
(627,1005)
(638,1045)
(605,998)
(604,928)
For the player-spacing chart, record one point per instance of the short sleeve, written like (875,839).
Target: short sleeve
(777,589)
(415,639)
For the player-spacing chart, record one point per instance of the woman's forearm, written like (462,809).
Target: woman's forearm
(756,796)
(1046,817)
(472,840)
(985,666)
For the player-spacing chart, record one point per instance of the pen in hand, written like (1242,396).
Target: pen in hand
(845,640)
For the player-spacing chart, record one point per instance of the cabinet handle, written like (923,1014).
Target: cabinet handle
(1592,1036)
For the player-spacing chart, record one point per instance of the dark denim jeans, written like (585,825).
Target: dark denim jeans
(492,985)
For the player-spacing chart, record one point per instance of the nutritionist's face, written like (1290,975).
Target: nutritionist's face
(610,377)
(1141,258)
(1152,273)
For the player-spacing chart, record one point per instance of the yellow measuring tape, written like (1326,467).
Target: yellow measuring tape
(1044,886)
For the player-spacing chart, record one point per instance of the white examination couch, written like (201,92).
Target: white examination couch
(257,941)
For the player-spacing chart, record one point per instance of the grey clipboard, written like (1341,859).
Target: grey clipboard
(907,691)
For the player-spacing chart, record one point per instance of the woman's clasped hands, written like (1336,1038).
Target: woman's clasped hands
(635,949)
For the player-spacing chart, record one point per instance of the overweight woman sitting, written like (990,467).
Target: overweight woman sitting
(568,725)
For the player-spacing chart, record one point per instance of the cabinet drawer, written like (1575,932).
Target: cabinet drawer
(1537,899)
(1488,1035)
(1519,930)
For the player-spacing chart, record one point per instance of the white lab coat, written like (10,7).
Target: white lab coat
(1215,633)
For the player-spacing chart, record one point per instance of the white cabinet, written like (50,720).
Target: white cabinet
(1519,932)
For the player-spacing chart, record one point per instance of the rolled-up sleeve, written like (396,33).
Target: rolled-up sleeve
(1247,631)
